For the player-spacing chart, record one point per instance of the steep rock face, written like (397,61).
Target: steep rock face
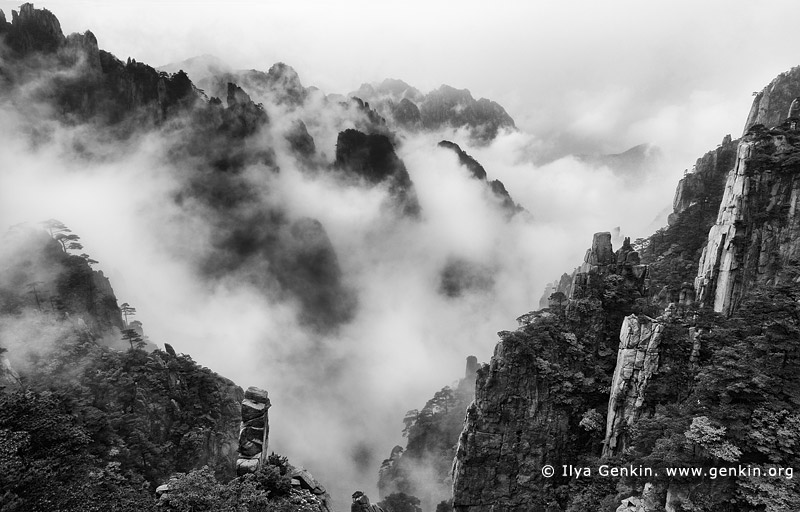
(496,187)
(538,400)
(515,425)
(372,157)
(601,261)
(285,81)
(637,361)
(85,83)
(706,180)
(38,274)
(422,469)
(31,30)
(9,378)
(771,105)
(300,141)
(755,238)
(672,252)
(361,504)
(197,419)
(244,117)
(371,121)
(477,170)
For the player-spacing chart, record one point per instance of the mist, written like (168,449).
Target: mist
(596,80)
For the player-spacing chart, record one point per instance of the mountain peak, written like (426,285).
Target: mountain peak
(32,30)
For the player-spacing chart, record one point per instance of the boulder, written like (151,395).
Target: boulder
(252,410)
(257,395)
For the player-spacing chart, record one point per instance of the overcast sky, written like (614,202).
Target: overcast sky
(593,76)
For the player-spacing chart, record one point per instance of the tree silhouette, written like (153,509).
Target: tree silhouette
(63,235)
(127,310)
(134,338)
(557,299)
(54,227)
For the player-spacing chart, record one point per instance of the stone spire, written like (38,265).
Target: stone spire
(254,433)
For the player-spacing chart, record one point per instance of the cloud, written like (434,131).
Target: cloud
(338,398)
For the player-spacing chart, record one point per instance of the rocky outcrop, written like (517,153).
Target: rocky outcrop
(512,429)
(423,468)
(300,141)
(284,81)
(372,158)
(601,261)
(755,237)
(526,412)
(496,187)
(38,274)
(81,81)
(467,384)
(557,292)
(475,168)
(31,30)
(651,500)
(9,378)
(254,433)
(303,480)
(361,504)
(242,117)
(637,361)
(772,104)
(706,180)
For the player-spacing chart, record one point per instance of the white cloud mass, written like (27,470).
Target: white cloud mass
(578,77)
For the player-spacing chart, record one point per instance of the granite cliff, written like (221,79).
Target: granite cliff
(680,388)
(755,237)
(422,468)
(771,105)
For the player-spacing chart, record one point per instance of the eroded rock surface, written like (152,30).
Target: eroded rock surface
(705,181)
(254,432)
(637,361)
(756,237)
(372,158)
(771,105)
